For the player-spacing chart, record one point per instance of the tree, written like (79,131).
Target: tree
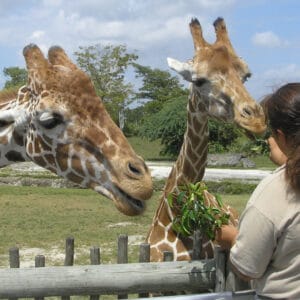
(134,118)
(221,135)
(17,77)
(168,125)
(106,65)
(158,87)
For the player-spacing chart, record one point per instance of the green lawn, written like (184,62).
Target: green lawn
(39,217)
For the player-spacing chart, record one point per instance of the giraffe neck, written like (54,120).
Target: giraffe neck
(191,162)
(189,167)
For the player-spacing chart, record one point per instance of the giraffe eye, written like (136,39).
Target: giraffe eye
(200,82)
(50,120)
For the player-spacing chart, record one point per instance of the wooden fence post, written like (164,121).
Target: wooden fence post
(220,259)
(95,260)
(14,257)
(168,256)
(123,255)
(69,258)
(39,263)
(14,260)
(197,245)
(144,257)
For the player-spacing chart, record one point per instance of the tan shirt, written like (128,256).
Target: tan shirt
(268,244)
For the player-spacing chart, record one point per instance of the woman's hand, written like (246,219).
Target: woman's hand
(276,155)
(225,236)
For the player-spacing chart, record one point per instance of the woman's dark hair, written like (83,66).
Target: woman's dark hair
(283,112)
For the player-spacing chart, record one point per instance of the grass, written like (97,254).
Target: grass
(39,217)
(38,220)
(43,217)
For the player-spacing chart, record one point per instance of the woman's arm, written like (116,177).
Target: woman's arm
(225,238)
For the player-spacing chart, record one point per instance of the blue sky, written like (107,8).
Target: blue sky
(266,33)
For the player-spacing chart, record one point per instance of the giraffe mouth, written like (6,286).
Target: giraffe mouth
(133,206)
(125,203)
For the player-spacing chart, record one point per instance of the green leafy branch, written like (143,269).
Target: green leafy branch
(260,145)
(193,213)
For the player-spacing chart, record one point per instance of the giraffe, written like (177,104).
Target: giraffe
(58,122)
(217,75)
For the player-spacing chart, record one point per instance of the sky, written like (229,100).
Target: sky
(265,33)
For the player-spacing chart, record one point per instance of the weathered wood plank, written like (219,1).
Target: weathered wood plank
(122,255)
(40,262)
(143,258)
(14,257)
(69,257)
(95,260)
(107,279)
(220,257)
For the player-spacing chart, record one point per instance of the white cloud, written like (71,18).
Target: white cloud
(137,23)
(37,34)
(216,4)
(290,72)
(271,79)
(268,39)
(52,2)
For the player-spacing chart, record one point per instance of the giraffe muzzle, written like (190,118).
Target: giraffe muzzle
(124,203)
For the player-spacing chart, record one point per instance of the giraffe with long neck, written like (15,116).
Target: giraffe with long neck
(58,122)
(216,74)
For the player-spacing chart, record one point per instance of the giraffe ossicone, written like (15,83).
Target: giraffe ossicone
(217,75)
(58,121)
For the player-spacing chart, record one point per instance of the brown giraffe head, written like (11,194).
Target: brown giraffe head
(69,132)
(217,75)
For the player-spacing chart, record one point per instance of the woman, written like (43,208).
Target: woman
(266,247)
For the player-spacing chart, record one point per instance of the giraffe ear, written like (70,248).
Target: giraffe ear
(10,117)
(185,69)
(34,58)
(57,56)
(188,71)
(6,117)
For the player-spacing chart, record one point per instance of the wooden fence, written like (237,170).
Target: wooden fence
(119,279)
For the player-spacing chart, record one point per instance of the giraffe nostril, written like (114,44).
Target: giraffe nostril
(134,169)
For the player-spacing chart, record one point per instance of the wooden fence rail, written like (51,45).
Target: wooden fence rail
(107,279)
(119,279)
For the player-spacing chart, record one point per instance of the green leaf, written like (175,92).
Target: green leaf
(219,200)
(180,197)
(194,214)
